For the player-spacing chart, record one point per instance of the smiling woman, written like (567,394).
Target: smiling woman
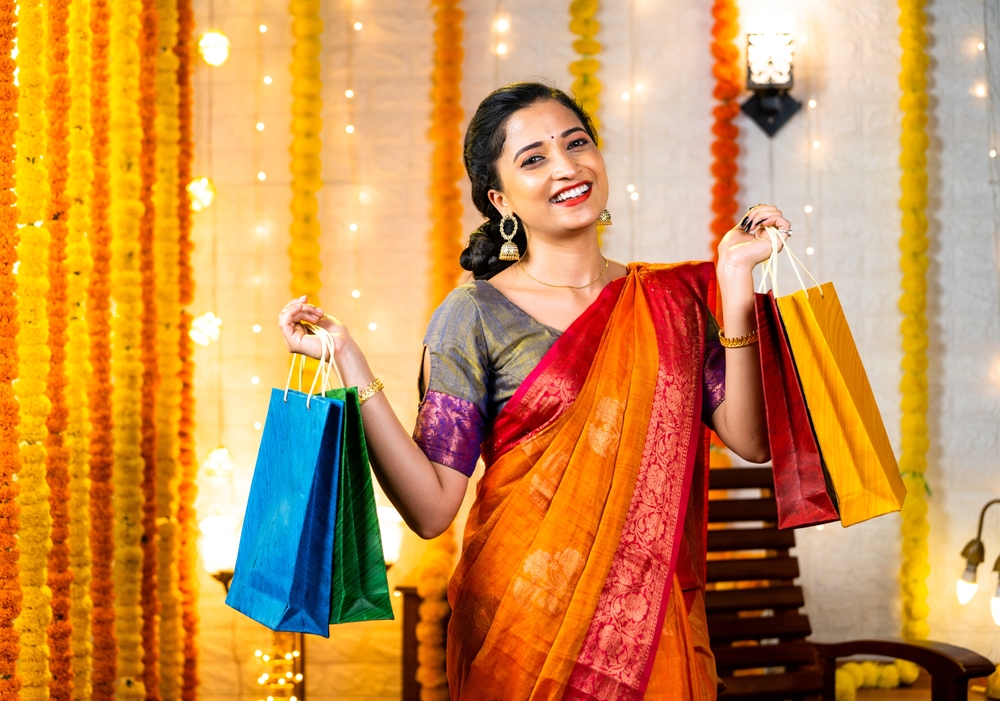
(588,387)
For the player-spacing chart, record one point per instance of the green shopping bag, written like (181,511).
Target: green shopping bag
(359,588)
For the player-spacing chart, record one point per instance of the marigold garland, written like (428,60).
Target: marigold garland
(10,581)
(913,303)
(307,166)
(727,72)
(187,556)
(446,160)
(102,587)
(586,86)
(33,287)
(432,586)
(78,367)
(125,130)
(168,346)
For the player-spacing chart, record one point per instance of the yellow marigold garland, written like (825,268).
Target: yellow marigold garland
(126,284)
(432,586)
(33,287)
(78,367)
(102,587)
(913,303)
(586,86)
(10,580)
(187,556)
(446,160)
(307,166)
(59,576)
(168,312)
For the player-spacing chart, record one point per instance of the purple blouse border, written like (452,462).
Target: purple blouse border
(450,431)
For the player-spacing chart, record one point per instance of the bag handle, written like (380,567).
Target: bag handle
(326,363)
(771,267)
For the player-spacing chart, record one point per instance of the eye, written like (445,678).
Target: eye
(575,143)
(531,160)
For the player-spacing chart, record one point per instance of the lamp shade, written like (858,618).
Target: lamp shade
(390,525)
(219,542)
(966,585)
(770,57)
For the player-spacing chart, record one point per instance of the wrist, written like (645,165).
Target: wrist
(353,365)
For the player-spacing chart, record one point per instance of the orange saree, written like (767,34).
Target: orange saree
(582,570)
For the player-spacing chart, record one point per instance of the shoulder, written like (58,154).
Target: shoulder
(459,313)
(696,278)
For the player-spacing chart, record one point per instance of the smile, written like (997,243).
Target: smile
(572,195)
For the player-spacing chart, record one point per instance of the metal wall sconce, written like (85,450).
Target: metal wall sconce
(975,553)
(770,59)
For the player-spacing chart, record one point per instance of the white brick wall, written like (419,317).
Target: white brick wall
(658,141)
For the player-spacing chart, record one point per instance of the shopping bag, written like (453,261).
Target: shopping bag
(283,570)
(802,487)
(359,588)
(845,417)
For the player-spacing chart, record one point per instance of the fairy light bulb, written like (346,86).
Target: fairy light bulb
(256,328)
(502,49)
(205,329)
(348,94)
(214,47)
(810,250)
(349,128)
(966,585)
(634,196)
(267,80)
(812,104)
(502,24)
(201,192)
(982,47)
(372,326)
(262,175)
(358,26)
(626,96)
(258,425)
(255,380)
(354,227)
(979,90)
(355,293)
(260,126)
(631,188)
(815,144)
(808,209)
(993,153)
(995,604)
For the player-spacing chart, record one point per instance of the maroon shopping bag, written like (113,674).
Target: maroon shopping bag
(802,486)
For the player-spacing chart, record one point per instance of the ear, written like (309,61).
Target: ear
(499,200)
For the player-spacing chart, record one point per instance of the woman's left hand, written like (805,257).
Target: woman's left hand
(745,247)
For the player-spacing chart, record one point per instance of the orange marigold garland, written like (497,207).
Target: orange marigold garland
(149,596)
(10,581)
(78,367)
(187,556)
(102,589)
(446,161)
(727,74)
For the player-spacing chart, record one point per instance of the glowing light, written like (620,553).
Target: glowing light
(263,28)
(803,38)
(260,126)
(995,606)
(631,188)
(815,144)
(358,26)
(390,525)
(502,24)
(261,230)
(634,196)
(214,47)
(979,90)
(812,104)
(982,47)
(258,425)
(295,653)
(355,293)
(808,209)
(219,542)
(638,87)
(626,96)
(348,94)
(205,329)
(257,280)
(993,153)
(349,128)
(201,192)
(810,250)
(966,585)
(363,196)
(397,593)
(372,326)
(262,175)
(218,462)
(298,678)
(819,527)
(255,380)
(354,227)
(288,656)
(257,653)
(256,328)
(502,49)
(267,80)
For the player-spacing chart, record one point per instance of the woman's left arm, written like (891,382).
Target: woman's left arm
(739,419)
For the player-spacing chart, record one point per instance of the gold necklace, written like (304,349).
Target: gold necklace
(566,287)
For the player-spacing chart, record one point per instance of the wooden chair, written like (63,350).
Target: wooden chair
(757,632)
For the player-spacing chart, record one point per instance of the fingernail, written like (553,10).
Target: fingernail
(744,221)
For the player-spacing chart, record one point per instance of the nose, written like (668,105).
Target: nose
(563,167)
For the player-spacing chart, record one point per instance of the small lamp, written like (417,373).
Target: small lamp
(995,601)
(975,553)
(390,525)
(219,543)
(770,60)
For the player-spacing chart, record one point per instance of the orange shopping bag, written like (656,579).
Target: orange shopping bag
(841,404)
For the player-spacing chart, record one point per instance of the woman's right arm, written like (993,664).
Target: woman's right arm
(426,494)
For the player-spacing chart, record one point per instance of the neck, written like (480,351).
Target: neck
(575,261)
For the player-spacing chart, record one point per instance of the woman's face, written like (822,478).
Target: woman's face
(552,172)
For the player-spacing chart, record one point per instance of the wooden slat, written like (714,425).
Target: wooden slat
(784,628)
(774,568)
(757,599)
(750,539)
(741,478)
(751,657)
(730,510)
(781,686)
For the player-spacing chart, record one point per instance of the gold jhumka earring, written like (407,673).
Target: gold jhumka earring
(604,219)
(508,251)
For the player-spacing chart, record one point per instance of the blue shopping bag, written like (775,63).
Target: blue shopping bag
(282,577)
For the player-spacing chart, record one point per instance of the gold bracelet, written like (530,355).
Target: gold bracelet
(370,391)
(738,342)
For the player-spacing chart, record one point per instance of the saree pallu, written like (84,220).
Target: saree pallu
(582,570)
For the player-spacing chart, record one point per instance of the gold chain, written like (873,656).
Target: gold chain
(567,287)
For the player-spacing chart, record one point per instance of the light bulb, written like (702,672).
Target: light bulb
(372,326)
(812,104)
(631,188)
(626,96)
(979,90)
(815,144)
(267,80)
(966,586)
(260,126)
(810,250)
(355,293)
(634,196)
(503,24)
(258,425)
(638,87)
(263,28)
(995,605)
(819,527)
(993,153)
(502,49)
(262,175)
(808,209)
(348,94)
(354,227)
(214,47)
(256,328)
(255,380)
(205,329)
(201,192)
(982,47)
(358,26)
(349,128)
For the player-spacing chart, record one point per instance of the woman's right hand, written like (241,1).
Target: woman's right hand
(299,339)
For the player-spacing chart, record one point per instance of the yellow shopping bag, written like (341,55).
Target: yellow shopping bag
(841,404)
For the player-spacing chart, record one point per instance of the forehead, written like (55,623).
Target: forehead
(539,122)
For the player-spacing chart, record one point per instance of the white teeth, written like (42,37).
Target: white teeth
(570,194)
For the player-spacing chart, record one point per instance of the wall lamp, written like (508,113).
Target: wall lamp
(770,60)
(974,554)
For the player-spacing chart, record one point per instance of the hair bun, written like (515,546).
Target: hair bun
(482,256)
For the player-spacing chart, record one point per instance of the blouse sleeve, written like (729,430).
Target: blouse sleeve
(451,420)
(713,385)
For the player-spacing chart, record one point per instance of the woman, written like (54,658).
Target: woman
(587,385)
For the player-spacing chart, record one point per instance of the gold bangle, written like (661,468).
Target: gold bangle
(374,387)
(738,342)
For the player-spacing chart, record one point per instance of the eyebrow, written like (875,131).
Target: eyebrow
(539,143)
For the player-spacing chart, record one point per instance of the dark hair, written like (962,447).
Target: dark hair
(484,142)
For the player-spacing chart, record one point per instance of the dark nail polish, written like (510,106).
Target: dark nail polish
(744,221)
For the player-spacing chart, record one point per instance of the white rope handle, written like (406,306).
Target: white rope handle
(326,363)
(771,266)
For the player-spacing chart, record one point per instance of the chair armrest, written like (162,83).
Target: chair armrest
(951,667)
